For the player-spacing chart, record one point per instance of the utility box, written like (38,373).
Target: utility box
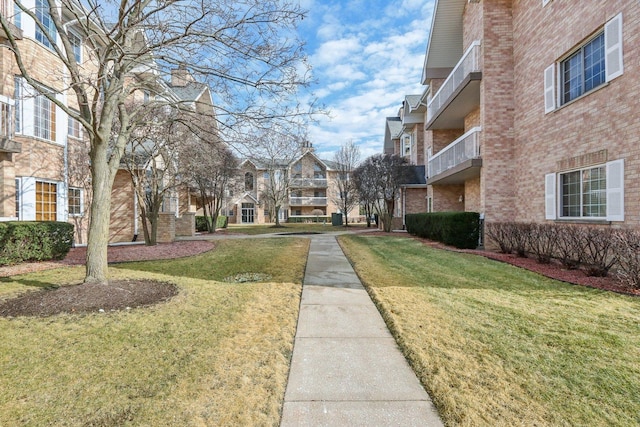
(336,219)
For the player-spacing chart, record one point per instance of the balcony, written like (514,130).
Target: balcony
(307,201)
(7,9)
(458,161)
(308,183)
(459,94)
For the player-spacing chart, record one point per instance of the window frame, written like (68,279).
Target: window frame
(74,128)
(43,15)
(44,118)
(582,193)
(79,198)
(43,214)
(566,97)
(76,44)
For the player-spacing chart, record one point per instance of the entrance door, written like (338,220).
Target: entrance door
(247,213)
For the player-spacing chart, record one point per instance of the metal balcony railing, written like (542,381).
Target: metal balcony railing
(465,148)
(308,182)
(307,201)
(469,63)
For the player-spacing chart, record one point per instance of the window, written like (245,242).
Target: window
(248,181)
(76,45)
(75,201)
(595,192)
(406,145)
(594,63)
(297,167)
(46,201)
(17,95)
(583,71)
(18,191)
(6,119)
(44,118)
(318,171)
(74,128)
(43,16)
(584,193)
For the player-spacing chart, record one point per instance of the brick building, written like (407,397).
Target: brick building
(532,112)
(312,190)
(44,173)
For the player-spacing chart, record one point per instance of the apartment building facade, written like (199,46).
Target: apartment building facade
(312,190)
(44,164)
(531,112)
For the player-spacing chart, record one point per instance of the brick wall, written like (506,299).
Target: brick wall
(186,224)
(446,198)
(603,119)
(166,227)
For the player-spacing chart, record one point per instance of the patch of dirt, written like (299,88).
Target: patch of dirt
(88,298)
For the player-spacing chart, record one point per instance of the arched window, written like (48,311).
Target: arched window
(248,181)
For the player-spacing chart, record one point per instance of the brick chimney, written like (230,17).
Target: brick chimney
(180,76)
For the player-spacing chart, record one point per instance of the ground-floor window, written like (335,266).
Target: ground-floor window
(75,201)
(18,190)
(46,201)
(584,193)
(594,192)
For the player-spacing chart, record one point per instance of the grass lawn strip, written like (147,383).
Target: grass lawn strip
(216,354)
(498,345)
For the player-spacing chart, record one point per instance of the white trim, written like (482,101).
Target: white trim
(615,190)
(550,185)
(549,88)
(613,58)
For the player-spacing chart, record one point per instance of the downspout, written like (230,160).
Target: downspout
(135,217)
(404,207)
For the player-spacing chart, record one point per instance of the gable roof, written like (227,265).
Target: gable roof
(392,131)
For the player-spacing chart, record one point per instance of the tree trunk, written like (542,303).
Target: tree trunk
(153,235)
(386,222)
(98,234)
(275,213)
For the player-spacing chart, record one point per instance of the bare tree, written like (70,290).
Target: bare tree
(346,160)
(79,176)
(209,168)
(247,50)
(365,180)
(386,173)
(275,151)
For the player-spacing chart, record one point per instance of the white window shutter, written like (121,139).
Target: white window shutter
(62,202)
(615,190)
(614,66)
(28,198)
(549,88)
(550,196)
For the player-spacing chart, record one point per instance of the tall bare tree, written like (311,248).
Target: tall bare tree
(346,160)
(247,50)
(209,168)
(386,173)
(276,149)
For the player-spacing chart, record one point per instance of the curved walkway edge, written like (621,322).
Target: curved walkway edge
(346,367)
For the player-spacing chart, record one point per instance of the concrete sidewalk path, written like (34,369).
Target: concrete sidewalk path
(347,369)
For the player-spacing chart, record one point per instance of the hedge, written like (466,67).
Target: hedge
(201,223)
(308,218)
(458,229)
(34,241)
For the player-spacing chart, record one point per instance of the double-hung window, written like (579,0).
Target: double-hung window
(48,27)
(75,201)
(46,201)
(74,128)
(591,65)
(44,118)
(594,193)
(76,46)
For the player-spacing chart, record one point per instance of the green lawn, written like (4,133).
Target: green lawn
(498,345)
(254,229)
(216,354)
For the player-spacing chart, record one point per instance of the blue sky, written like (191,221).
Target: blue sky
(366,56)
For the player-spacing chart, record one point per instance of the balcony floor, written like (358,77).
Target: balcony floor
(461,102)
(458,174)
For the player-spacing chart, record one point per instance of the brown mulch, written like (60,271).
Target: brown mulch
(86,298)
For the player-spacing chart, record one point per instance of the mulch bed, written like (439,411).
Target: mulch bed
(87,298)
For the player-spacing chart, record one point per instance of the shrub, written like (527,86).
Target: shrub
(627,248)
(201,223)
(458,229)
(543,240)
(599,251)
(309,218)
(34,241)
(520,236)
(499,233)
(570,246)
(222,221)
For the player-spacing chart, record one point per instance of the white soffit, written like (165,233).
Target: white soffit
(444,48)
